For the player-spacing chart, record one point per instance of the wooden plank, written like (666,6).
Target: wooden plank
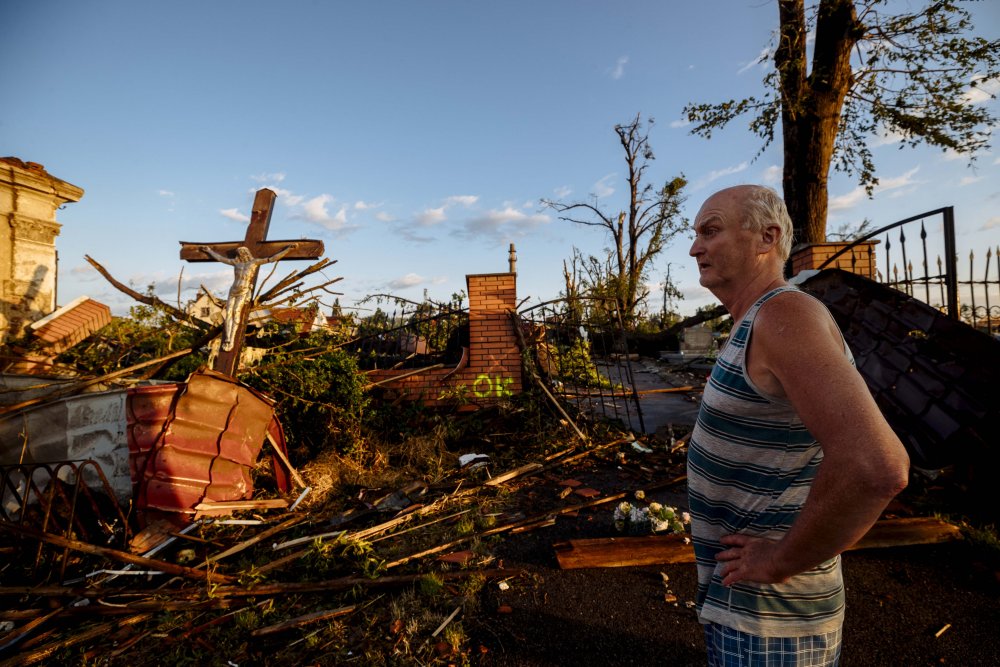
(512,474)
(908,532)
(623,552)
(233,505)
(671,549)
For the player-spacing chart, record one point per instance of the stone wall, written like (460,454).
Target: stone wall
(29,199)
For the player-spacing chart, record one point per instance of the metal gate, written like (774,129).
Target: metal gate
(586,365)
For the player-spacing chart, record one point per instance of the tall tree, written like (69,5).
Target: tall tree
(638,233)
(911,75)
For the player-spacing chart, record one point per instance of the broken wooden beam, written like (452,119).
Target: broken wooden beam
(624,551)
(526,469)
(115,554)
(229,506)
(323,615)
(908,532)
(672,549)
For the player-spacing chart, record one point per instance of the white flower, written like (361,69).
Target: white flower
(640,494)
(655,508)
(685,517)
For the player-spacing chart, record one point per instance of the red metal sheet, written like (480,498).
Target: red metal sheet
(196,441)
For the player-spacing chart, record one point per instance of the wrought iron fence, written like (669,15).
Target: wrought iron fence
(974,301)
(586,365)
(411,335)
(46,497)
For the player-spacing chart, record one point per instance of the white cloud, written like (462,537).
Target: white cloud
(992,223)
(315,209)
(409,280)
(603,187)
(887,138)
(719,173)
(969,180)
(84,273)
(562,191)
(382,216)
(166,193)
(858,194)
(762,58)
(431,216)
(364,205)
(981,92)
(287,197)
(772,175)
(464,200)
(619,69)
(234,214)
(501,224)
(996,161)
(683,122)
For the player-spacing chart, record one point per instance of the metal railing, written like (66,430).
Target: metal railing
(587,366)
(411,336)
(47,496)
(944,289)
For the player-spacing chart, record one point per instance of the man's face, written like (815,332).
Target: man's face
(724,251)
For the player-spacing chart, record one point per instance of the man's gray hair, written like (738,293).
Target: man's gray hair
(763,207)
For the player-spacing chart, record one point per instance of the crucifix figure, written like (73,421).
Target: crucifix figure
(246,258)
(245,267)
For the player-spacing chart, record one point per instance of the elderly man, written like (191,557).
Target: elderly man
(790,462)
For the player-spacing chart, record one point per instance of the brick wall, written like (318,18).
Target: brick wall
(812,256)
(491,367)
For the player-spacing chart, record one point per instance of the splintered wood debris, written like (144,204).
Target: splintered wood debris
(279,586)
(269,572)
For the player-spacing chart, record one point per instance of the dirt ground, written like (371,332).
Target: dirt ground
(918,605)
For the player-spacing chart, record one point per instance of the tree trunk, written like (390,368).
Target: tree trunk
(810,113)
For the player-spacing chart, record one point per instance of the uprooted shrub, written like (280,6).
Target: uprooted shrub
(319,392)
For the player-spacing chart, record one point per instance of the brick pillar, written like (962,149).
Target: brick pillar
(859,260)
(494,367)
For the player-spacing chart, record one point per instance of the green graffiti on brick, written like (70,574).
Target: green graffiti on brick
(487,386)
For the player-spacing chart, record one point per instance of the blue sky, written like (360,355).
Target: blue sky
(414,138)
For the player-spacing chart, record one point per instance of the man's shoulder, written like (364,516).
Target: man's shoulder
(792,316)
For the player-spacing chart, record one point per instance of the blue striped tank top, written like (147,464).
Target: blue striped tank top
(751,463)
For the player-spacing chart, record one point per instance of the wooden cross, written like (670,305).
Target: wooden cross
(246,263)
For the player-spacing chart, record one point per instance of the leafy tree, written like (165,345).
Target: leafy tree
(638,233)
(911,75)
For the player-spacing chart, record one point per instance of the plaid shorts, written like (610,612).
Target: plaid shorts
(731,648)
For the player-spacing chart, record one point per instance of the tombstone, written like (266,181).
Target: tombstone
(698,338)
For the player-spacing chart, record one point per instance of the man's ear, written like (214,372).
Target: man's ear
(769,238)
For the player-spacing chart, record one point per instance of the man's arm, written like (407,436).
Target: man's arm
(797,350)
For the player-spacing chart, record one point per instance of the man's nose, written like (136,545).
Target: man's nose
(695,249)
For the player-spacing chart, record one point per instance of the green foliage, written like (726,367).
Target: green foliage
(576,366)
(430,585)
(147,333)
(916,75)
(319,391)
(340,557)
